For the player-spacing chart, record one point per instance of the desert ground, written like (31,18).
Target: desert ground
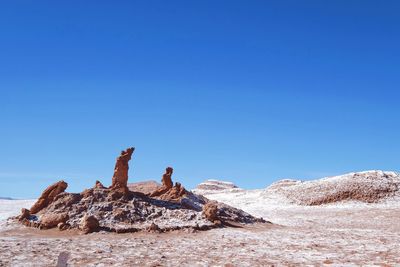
(345,233)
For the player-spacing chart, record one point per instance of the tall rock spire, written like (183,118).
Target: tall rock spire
(120,177)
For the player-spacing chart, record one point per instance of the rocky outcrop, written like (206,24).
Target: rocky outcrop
(120,177)
(48,196)
(175,193)
(168,191)
(167,178)
(89,224)
(117,209)
(166,183)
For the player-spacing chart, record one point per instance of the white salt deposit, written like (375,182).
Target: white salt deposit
(10,208)
(348,232)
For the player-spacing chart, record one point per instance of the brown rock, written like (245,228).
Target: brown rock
(167,191)
(26,222)
(89,224)
(87,193)
(51,220)
(153,228)
(166,178)
(117,209)
(120,177)
(99,185)
(63,226)
(174,193)
(210,211)
(48,196)
(118,193)
(25,214)
(66,200)
(29,223)
(120,214)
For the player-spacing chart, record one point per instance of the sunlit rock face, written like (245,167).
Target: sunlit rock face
(120,177)
(48,196)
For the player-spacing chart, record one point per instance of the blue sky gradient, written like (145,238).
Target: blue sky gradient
(246,91)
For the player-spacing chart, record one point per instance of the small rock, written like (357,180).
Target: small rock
(25,214)
(62,260)
(89,224)
(153,228)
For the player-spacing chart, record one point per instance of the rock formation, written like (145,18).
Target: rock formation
(167,191)
(117,209)
(48,196)
(166,183)
(167,178)
(175,193)
(120,177)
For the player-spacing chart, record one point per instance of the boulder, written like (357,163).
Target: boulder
(51,220)
(48,196)
(210,211)
(89,224)
(153,228)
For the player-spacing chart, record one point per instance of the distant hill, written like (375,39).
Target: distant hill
(368,186)
(374,186)
(215,186)
(6,198)
(144,187)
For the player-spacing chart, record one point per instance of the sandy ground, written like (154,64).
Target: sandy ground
(336,235)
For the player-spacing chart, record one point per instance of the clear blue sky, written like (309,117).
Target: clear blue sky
(246,91)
